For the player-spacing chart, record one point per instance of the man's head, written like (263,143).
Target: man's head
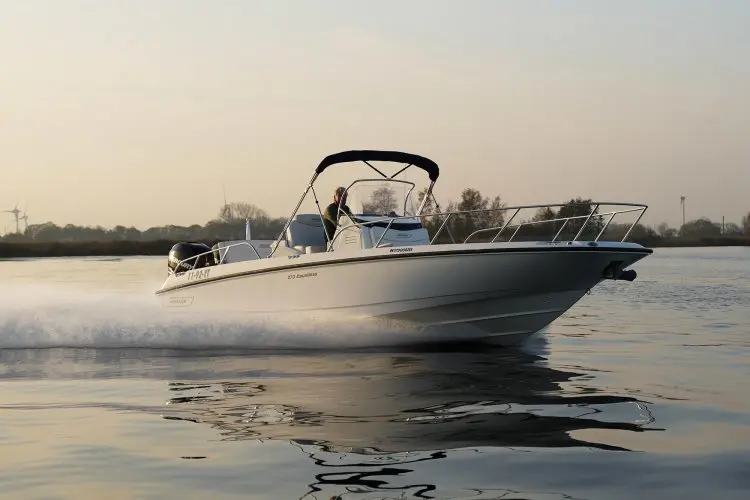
(339,195)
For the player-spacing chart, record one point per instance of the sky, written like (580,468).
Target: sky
(141,113)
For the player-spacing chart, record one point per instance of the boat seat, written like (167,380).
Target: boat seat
(282,250)
(306,230)
(308,249)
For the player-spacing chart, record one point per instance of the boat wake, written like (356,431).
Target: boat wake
(45,316)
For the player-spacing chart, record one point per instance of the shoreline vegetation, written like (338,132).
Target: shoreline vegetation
(11,250)
(50,240)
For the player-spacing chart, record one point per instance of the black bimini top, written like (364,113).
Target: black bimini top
(425,164)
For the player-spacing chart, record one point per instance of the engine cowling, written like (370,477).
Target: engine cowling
(186,250)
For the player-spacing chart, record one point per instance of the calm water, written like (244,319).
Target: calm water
(641,391)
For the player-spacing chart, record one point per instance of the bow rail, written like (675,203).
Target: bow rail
(461,216)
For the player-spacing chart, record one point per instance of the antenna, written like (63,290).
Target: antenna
(15,212)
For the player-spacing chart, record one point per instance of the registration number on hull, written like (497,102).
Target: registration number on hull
(198,274)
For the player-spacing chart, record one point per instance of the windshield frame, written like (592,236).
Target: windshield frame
(382,180)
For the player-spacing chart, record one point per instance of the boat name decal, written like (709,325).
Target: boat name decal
(294,276)
(401,249)
(198,274)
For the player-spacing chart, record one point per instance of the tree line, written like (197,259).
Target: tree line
(229,224)
(541,224)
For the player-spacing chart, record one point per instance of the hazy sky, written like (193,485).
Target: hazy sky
(135,112)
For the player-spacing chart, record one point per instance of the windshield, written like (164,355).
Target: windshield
(382,198)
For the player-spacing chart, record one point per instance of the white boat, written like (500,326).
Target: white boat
(387,267)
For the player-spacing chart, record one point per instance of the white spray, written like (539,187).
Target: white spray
(64,315)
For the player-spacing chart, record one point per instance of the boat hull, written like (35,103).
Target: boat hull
(432,293)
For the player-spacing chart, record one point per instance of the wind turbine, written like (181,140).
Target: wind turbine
(15,212)
(682,204)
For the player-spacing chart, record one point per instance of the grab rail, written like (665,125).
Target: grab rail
(222,254)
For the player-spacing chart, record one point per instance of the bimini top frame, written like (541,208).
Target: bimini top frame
(365,156)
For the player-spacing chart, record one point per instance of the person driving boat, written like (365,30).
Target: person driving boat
(332,212)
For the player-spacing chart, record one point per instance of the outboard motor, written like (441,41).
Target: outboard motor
(182,251)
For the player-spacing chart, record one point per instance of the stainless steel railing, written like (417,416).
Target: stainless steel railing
(457,214)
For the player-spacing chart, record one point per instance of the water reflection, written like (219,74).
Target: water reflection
(369,422)
(368,418)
